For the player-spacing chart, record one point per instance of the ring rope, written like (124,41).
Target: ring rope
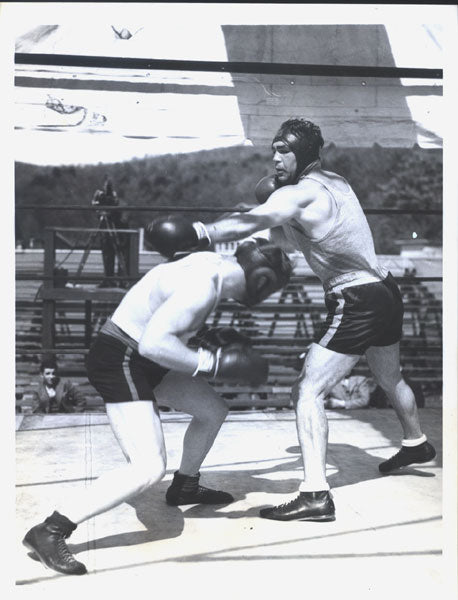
(213,209)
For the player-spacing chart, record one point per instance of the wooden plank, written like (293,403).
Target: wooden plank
(100,294)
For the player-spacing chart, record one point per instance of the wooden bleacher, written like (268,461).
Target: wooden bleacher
(281,328)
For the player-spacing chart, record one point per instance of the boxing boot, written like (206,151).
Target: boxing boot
(408,455)
(307,506)
(185,489)
(47,541)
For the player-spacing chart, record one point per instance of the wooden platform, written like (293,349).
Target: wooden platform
(282,327)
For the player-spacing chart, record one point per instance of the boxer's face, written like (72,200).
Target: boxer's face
(49,377)
(284,162)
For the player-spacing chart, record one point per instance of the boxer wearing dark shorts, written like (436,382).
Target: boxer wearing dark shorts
(361,316)
(316,212)
(141,353)
(117,370)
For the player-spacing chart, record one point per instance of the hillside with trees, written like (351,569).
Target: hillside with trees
(381,177)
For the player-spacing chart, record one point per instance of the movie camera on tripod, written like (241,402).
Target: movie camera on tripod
(114,246)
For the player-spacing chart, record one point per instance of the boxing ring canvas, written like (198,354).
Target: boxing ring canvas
(87,111)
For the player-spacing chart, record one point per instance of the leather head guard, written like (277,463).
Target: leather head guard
(267,269)
(303,138)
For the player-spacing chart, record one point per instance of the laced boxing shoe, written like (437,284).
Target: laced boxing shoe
(47,542)
(307,506)
(185,489)
(408,455)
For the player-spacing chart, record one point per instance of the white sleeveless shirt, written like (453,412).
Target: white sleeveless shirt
(346,253)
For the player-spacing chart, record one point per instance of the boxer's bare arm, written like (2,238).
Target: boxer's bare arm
(277,237)
(286,203)
(184,311)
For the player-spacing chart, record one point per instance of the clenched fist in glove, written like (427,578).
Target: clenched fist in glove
(225,354)
(172,234)
(265,187)
(213,338)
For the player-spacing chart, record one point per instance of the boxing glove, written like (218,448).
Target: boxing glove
(235,363)
(172,234)
(265,187)
(239,363)
(216,337)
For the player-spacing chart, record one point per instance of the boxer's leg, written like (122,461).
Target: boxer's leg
(136,426)
(323,369)
(196,397)
(138,430)
(385,365)
(193,396)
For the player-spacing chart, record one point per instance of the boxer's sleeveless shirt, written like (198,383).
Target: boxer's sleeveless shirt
(346,252)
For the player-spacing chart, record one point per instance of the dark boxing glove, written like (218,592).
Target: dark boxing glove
(172,234)
(225,354)
(216,337)
(265,187)
(238,363)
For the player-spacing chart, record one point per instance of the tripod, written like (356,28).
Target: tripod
(111,247)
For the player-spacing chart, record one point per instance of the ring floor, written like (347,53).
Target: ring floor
(387,540)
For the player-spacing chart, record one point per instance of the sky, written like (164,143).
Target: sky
(145,124)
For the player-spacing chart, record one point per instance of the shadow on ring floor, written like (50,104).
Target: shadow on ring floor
(381,521)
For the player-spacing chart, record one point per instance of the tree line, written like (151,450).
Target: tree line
(408,178)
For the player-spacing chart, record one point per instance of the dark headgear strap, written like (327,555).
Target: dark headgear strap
(260,274)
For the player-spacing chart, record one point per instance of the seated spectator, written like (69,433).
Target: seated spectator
(354,391)
(55,394)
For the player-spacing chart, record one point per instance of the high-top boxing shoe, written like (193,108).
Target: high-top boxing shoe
(408,455)
(47,541)
(185,489)
(307,506)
